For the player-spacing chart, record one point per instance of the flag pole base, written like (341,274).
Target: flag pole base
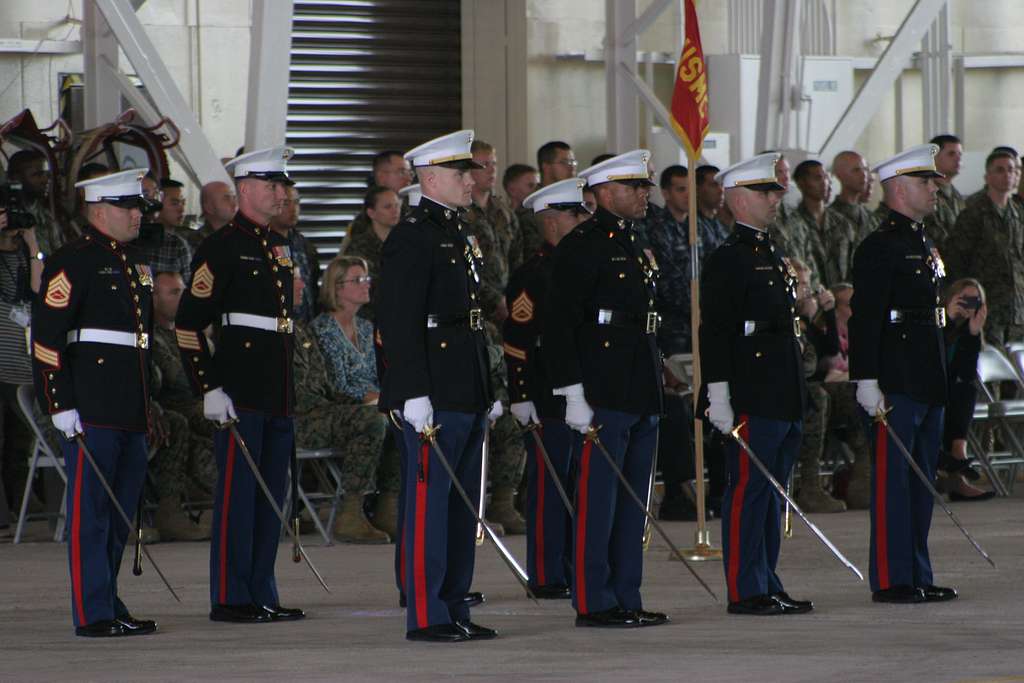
(702,549)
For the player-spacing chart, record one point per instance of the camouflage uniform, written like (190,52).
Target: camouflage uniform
(988,244)
(827,249)
(863,220)
(531,237)
(940,224)
(360,224)
(48,231)
(325,418)
(363,242)
(194,237)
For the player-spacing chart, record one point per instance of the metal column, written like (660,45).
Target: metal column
(266,113)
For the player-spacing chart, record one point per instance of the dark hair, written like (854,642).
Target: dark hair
(166,183)
(803,168)
(549,150)
(370,199)
(671,172)
(601,157)
(1009,150)
(23,158)
(382,158)
(704,171)
(92,170)
(1000,153)
(945,139)
(480,146)
(513,172)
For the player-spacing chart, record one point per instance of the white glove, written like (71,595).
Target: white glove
(578,413)
(525,412)
(419,412)
(869,396)
(217,406)
(720,409)
(67,422)
(495,412)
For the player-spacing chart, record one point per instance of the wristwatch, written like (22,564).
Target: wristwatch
(38,256)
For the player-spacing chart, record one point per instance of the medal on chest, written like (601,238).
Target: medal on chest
(935,261)
(471,253)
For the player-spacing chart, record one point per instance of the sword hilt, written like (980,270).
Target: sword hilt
(296,553)
(137,564)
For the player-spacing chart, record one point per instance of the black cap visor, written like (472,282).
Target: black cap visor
(764,187)
(577,208)
(132,201)
(269,176)
(461,165)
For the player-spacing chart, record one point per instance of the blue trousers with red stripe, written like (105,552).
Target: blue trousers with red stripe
(548,524)
(609,525)
(397,435)
(440,531)
(752,508)
(901,506)
(246,530)
(96,532)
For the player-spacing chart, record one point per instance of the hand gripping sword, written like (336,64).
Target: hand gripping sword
(534,429)
(735,434)
(880,418)
(120,511)
(591,436)
(230,424)
(429,435)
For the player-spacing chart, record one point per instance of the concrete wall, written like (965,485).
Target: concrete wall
(204,43)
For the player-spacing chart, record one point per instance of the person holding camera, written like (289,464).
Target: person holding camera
(19,279)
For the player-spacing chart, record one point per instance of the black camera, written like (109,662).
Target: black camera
(971,303)
(18,218)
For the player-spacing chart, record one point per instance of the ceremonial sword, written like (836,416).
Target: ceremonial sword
(120,510)
(485,456)
(735,434)
(534,429)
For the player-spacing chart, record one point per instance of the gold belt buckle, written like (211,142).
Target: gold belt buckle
(285,325)
(940,316)
(796,326)
(653,321)
(476,319)
(142,340)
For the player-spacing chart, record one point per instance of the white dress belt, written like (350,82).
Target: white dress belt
(98,336)
(259,322)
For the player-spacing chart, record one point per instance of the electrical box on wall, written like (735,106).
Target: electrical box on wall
(826,91)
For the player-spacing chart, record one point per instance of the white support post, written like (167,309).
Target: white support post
(959,103)
(621,99)
(780,55)
(142,54)
(266,114)
(936,74)
(102,95)
(907,39)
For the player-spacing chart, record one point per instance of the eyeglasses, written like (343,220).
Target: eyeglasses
(571,163)
(361,280)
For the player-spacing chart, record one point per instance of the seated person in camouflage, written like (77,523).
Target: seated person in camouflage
(390,170)
(383,210)
(183,467)
(336,395)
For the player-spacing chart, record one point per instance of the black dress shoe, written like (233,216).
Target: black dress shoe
(616,617)
(474,598)
(938,593)
(552,591)
(758,606)
(278,613)
(903,595)
(138,627)
(476,631)
(957,497)
(650,618)
(791,606)
(239,614)
(111,628)
(438,633)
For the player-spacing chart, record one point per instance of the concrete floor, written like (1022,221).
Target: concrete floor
(356,632)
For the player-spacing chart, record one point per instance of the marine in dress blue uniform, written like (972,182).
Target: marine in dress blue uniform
(601,355)
(751,365)
(431,330)
(897,356)
(91,326)
(242,282)
(559,208)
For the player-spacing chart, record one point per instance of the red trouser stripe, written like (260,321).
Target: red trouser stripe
(76,541)
(420,550)
(538,533)
(881,521)
(581,529)
(736,514)
(229,470)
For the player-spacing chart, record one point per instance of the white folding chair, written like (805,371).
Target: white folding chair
(42,457)
(993,368)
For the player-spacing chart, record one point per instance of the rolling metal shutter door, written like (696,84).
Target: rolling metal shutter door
(366,76)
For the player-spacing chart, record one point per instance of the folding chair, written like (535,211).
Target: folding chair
(325,467)
(42,457)
(994,367)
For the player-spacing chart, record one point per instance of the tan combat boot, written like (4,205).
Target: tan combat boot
(175,525)
(811,497)
(385,513)
(502,510)
(351,525)
(858,492)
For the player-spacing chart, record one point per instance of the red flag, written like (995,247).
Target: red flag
(690,95)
